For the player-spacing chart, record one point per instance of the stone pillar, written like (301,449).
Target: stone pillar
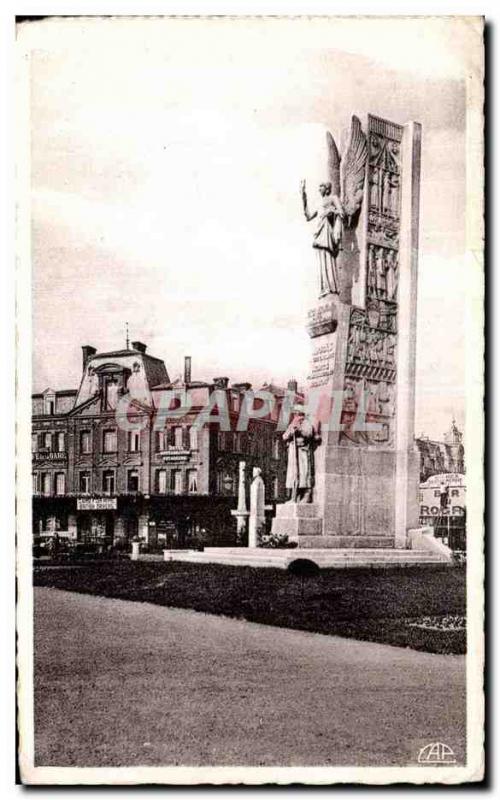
(241,512)
(407,456)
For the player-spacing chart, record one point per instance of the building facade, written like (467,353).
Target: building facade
(109,464)
(439,457)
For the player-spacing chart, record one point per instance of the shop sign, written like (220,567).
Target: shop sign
(96,503)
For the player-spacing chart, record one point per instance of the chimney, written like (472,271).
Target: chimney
(187,370)
(87,352)
(221,383)
(139,346)
(292,385)
(242,387)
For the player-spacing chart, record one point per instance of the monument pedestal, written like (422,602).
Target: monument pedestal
(298,520)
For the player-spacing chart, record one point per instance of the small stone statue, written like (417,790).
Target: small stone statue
(301,439)
(257,519)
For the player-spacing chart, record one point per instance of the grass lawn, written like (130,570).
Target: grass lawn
(418,607)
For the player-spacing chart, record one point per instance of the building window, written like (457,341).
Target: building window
(220,482)
(46,483)
(161,441)
(49,405)
(109,442)
(176,481)
(220,440)
(34,442)
(193,438)
(47,441)
(133,441)
(60,483)
(84,484)
(177,436)
(34,478)
(276,489)
(108,481)
(161,481)
(192,481)
(133,480)
(61,444)
(277,449)
(85,442)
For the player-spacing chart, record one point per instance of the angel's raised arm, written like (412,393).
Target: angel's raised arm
(308,214)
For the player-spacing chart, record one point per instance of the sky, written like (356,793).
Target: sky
(166,159)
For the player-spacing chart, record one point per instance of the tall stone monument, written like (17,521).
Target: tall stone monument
(361,385)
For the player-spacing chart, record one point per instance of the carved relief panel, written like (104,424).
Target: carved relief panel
(370,374)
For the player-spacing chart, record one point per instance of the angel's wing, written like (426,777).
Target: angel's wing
(333,164)
(354,168)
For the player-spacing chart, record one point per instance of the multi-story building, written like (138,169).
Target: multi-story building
(109,464)
(439,457)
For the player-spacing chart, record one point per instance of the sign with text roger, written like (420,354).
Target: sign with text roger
(96,503)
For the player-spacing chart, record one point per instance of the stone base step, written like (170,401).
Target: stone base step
(325,558)
(346,542)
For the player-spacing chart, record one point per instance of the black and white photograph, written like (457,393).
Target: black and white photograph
(250,399)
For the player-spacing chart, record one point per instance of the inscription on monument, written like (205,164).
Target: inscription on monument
(322,363)
(321,320)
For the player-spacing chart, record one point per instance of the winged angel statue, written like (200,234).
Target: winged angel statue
(338,214)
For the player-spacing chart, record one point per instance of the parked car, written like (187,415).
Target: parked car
(41,546)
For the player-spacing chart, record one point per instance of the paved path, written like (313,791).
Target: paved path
(120,683)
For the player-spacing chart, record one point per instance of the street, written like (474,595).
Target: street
(121,683)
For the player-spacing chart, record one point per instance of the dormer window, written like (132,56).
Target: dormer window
(49,403)
(111,388)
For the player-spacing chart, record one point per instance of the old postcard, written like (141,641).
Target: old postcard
(250,388)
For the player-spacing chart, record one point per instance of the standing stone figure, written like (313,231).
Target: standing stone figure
(301,439)
(257,518)
(327,236)
(372,277)
(380,273)
(342,196)
(391,277)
